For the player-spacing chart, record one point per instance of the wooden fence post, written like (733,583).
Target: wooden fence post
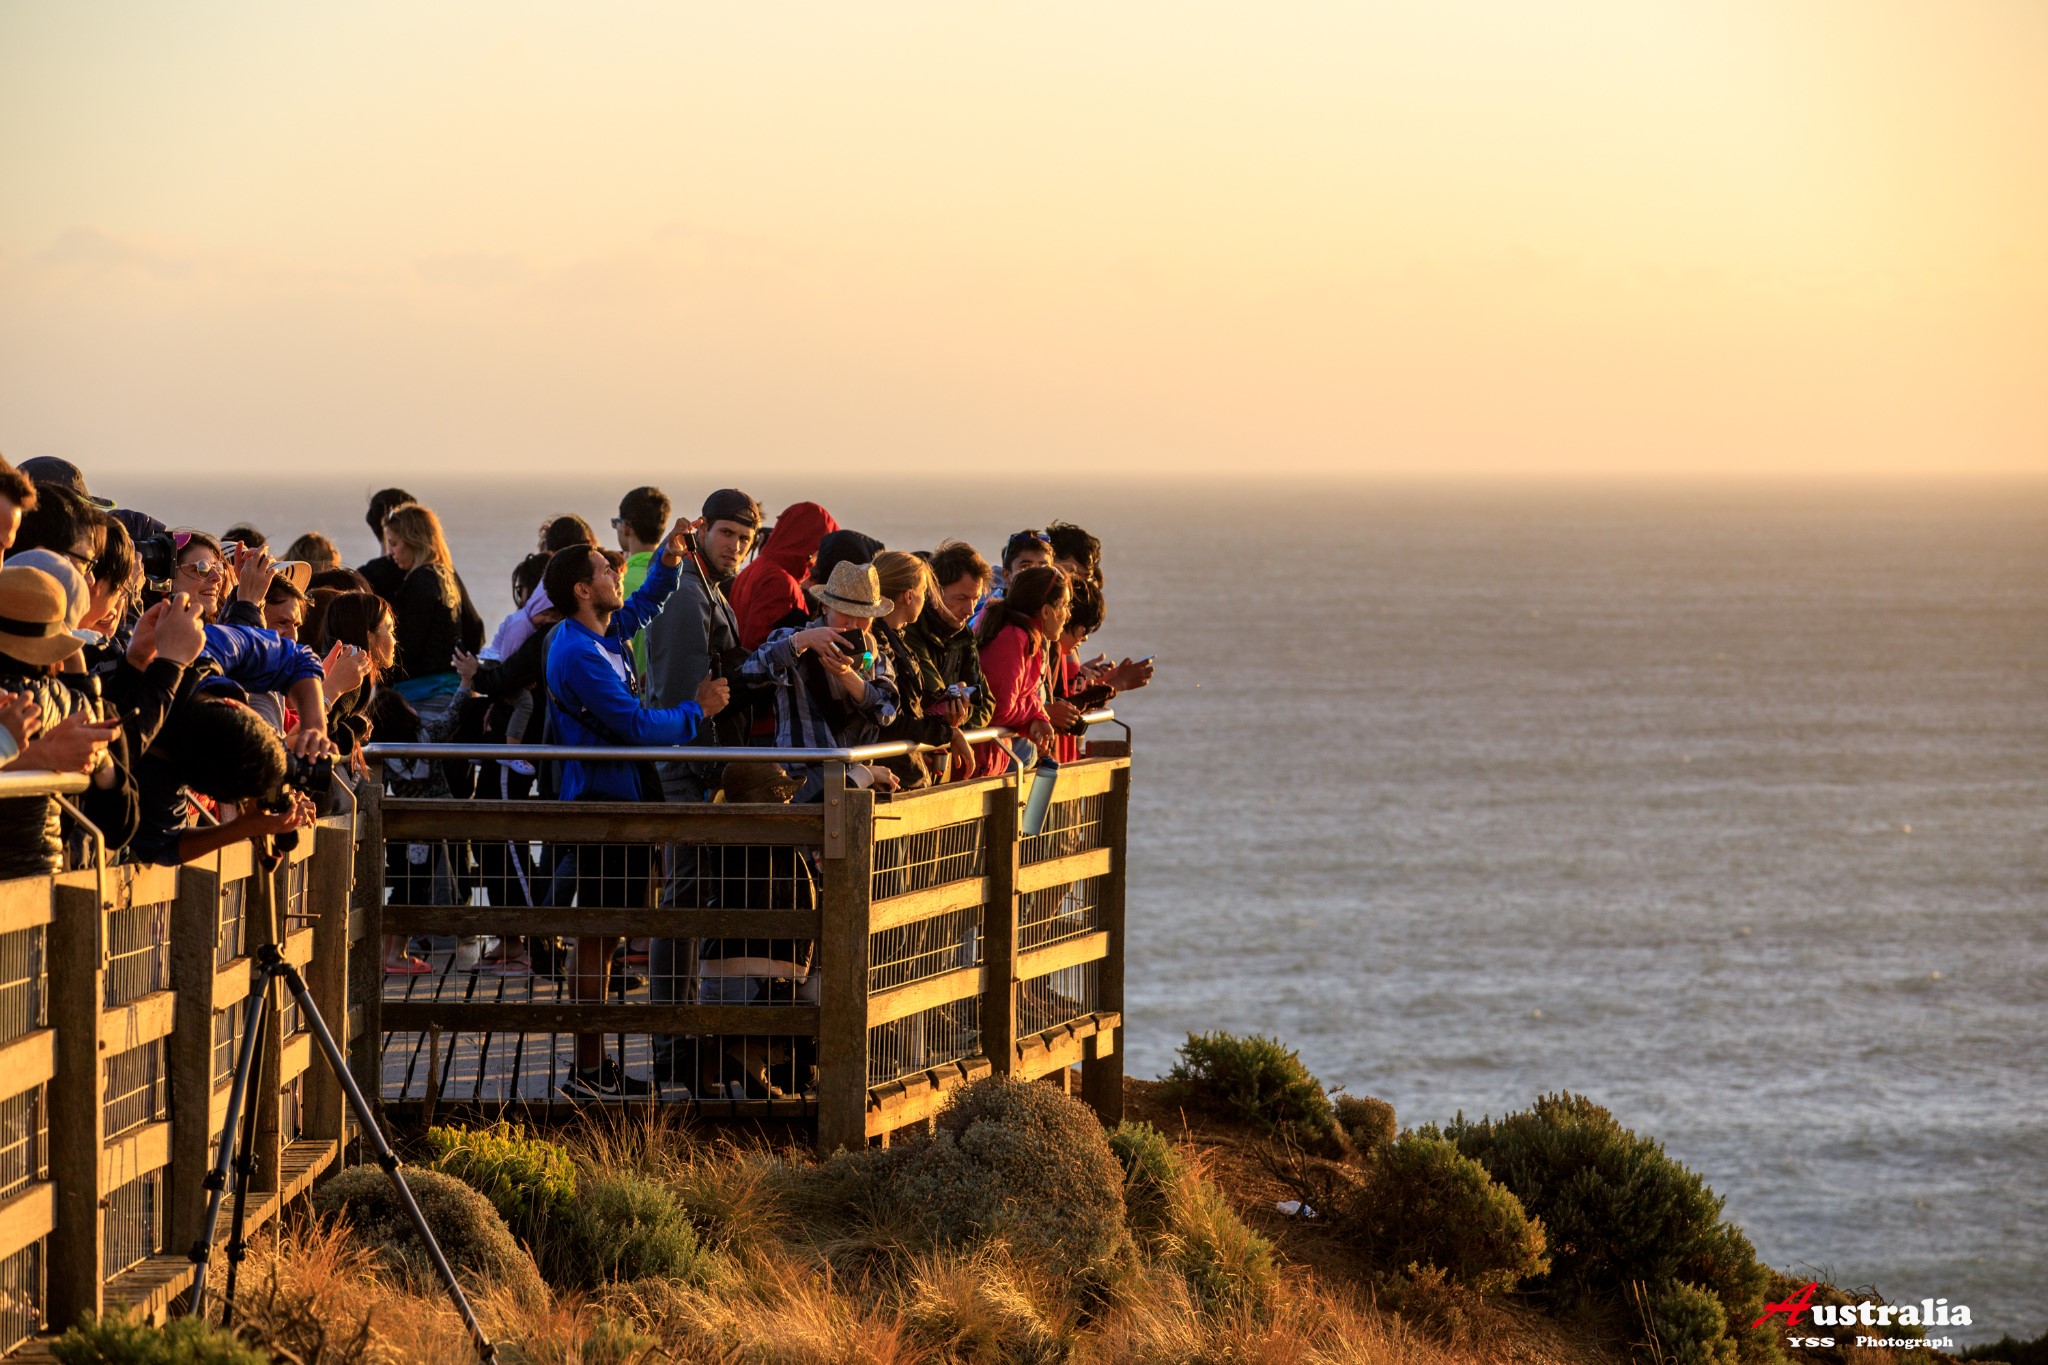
(77,948)
(327,976)
(999,930)
(843,971)
(1102,1063)
(195,930)
(360,1027)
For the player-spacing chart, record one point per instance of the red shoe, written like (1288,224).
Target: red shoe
(407,966)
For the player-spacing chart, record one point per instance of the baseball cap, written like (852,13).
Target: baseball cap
(729,504)
(50,469)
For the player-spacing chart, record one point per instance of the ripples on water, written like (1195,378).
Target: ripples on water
(1724,808)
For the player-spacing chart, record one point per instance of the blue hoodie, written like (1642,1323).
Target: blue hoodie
(260,660)
(587,675)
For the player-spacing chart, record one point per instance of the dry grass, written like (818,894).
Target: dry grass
(810,1265)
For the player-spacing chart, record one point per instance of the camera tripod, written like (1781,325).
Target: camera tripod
(238,1151)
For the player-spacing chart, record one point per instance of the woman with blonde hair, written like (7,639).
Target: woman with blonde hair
(427,607)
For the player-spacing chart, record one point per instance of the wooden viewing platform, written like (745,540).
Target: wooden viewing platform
(947,946)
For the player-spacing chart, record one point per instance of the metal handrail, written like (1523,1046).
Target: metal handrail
(40,782)
(690,753)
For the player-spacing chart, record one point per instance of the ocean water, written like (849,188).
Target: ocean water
(1725,807)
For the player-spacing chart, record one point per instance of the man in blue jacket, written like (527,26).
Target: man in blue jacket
(595,701)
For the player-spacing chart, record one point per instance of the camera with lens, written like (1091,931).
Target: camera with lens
(313,776)
(159,555)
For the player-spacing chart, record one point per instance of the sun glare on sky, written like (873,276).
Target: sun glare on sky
(1463,238)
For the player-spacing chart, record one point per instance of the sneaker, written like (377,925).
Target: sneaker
(607,1082)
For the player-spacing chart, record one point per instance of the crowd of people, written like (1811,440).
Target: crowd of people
(213,691)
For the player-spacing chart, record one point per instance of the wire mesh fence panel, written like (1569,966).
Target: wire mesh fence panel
(23,983)
(24,1140)
(520,1066)
(1070,827)
(136,1086)
(138,952)
(945,1033)
(932,857)
(227,1039)
(913,952)
(1053,913)
(227,943)
(133,1229)
(22,1292)
(1044,1001)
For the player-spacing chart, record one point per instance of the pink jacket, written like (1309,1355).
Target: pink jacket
(1014,665)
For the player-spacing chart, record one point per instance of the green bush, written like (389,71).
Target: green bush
(123,1340)
(528,1179)
(472,1235)
(1619,1211)
(1151,1169)
(1257,1081)
(622,1227)
(2011,1351)
(1367,1121)
(1422,1203)
(1187,1224)
(1688,1326)
(1018,1161)
(1229,1267)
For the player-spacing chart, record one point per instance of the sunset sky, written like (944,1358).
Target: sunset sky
(1438,238)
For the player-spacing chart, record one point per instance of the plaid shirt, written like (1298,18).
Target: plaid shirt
(800,718)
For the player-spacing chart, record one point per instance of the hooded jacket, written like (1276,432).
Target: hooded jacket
(772,586)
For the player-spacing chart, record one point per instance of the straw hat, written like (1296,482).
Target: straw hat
(33,611)
(853,590)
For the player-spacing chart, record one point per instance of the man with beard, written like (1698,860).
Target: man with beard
(697,635)
(596,703)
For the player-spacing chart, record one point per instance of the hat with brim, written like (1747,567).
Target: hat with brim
(33,628)
(50,469)
(77,591)
(296,572)
(853,590)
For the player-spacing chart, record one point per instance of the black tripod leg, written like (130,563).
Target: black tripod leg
(216,1181)
(366,1122)
(245,1161)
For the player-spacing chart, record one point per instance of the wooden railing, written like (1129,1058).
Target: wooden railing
(120,1003)
(946,947)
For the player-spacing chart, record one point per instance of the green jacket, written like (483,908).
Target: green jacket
(945,656)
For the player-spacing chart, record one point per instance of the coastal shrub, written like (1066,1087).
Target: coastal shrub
(1422,1204)
(1368,1122)
(2010,1350)
(1229,1268)
(1151,1169)
(472,1235)
(528,1179)
(1257,1081)
(1186,1223)
(126,1340)
(622,1226)
(1022,1162)
(1688,1326)
(1618,1211)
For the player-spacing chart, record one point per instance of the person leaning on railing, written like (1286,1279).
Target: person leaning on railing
(36,639)
(831,688)
(906,582)
(595,703)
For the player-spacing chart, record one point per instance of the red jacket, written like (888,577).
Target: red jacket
(772,586)
(1014,665)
